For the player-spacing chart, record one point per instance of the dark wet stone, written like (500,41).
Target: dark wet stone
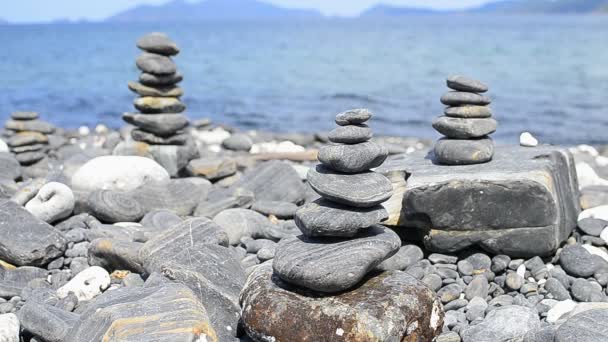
(115,255)
(27,240)
(360,190)
(274,308)
(463,83)
(282,210)
(157,42)
(463,152)
(159,105)
(160,80)
(12,281)
(326,218)
(155,64)
(457,98)
(47,322)
(238,142)
(273,181)
(24,116)
(212,168)
(33,126)
(578,262)
(162,125)
(592,226)
(113,206)
(353,158)
(158,91)
(468,111)
(9,166)
(27,138)
(457,128)
(353,117)
(329,264)
(350,134)
(587,326)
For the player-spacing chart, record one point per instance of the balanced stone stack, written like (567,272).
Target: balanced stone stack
(29,141)
(160,121)
(466,124)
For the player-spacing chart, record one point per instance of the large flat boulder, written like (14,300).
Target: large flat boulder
(523,203)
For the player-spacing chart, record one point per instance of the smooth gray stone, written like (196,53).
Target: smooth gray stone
(151,80)
(238,142)
(514,281)
(30,126)
(180,196)
(82,221)
(9,166)
(333,264)
(157,91)
(211,168)
(47,322)
(29,158)
(254,246)
(159,105)
(282,210)
(350,134)
(463,83)
(173,158)
(359,190)
(457,128)
(150,138)
(155,64)
(24,116)
(239,223)
(481,262)
(433,281)
(457,98)
(215,276)
(538,184)
(220,199)
(326,218)
(166,312)
(114,206)
(463,152)
(587,291)
(273,181)
(478,287)
(27,240)
(587,326)
(437,258)
(27,138)
(592,226)
(353,117)
(12,281)
(468,111)
(455,304)
(449,293)
(162,125)
(157,42)
(507,323)
(405,257)
(353,158)
(115,255)
(160,220)
(133,280)
(578,262)
(190,234)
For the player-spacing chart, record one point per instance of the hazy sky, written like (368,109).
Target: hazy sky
(46,10)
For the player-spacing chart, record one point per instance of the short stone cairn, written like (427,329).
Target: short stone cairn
(29,140)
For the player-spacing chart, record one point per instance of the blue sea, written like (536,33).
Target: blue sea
(547,75)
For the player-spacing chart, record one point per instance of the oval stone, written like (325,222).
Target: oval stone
(458,128)
(158,91)
(365,189)
(468,111)
(158,105)
(160,124)
(113,206)
(350,134)
(157,42)
(353,117)
(457,98)
(155,64)
(333,264)
(353,158)
(160,80)
(463,152)
(463,83)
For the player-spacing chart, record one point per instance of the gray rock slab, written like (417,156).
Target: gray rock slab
(212,168)
(522,203)
(115,255)
(12,281)
(220,199)
(180,196)
(507,323)
(47,322)
(29,126)
(588,326)
(114,206)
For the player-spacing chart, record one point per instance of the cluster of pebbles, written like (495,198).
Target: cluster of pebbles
(342,239)
(160,121)
(28,141)
(466,124)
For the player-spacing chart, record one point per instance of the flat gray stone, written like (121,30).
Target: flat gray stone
(578,262)
(160,219)
(113,206)
(153,139)
(353,158)
(12,281)
(350,134)
(180,196)
(220,199)
(557,289)
(238,142)
(405,257)
(326,218)
(587,291)
(160,80)
(468,111)
(359,190)
(47,322)
(30,126)
(212,168)
(159,105)
(155,64)
(353,117)
(463,152)
(27,240)
(29,148)
(157,42)
(592,226)
(538,184)
(273,181)
(508,323)
(463,83)
(24,116)
(29,158)
(587,326)
(157,91)
(163,125)
(457,98)
(458,128)
(27,138)
(333,264)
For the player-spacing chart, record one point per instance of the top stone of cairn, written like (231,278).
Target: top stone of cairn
(353,117)
(463,83)
(159,43)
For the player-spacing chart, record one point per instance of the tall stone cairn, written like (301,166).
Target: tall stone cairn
(466,124)
(159,121)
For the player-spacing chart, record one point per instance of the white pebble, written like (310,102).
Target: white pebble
(560,309)
(84,130)
(528,140)
(601,161)
(54,201)
(276,147)
(87,284)
(604,234)
(101,129)
(212,137)
(521,271)
(600,212)
(3,146)
(9,328)
(588,149)
(542,281)
(549,266)
(596,251)
(587,176)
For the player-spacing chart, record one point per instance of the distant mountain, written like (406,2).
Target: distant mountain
(180,10)
(390,11)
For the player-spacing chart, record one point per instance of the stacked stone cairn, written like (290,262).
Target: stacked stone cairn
(160,121)
(466,124)
(28,141)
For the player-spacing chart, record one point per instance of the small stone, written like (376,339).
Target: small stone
(500,263)
(160,220)
(476,308)
(478,287)
(163,125)
(577,261)
(587,291)
(450,336)
(465,268)
(455,304)
(160,80)
(463,83)
(238,142)
(54,201)
(405,257)
(155,64)
(87,284)
(353,158)
(157,42)
(555,287)
(158,91)
(29,158)
(353,117)
(437,258)
(24,116)
(527,140)
(457,98)
(212,168)
(159,105)
(457,128)
(273,181)
(115,255)
(359,190)
(463,152)
(9,167)
(279,209)
(350,134)
(449,293)
(592,226)
(238,223)
(433,281)
(514,281)
(468,111)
